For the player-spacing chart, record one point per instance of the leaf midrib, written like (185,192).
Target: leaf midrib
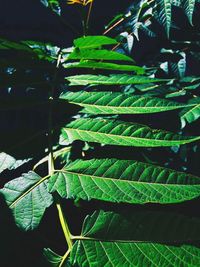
(121,180)
(191,110)
(131,137)
(129,107)
(28,191)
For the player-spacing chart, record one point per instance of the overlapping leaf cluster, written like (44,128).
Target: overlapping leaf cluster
(110,238)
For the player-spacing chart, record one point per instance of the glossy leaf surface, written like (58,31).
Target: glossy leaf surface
(114,132)
(28,198)
(119,103)
(120,246)
(124,181)
(120,79)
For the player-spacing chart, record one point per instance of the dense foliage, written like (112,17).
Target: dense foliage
(102,136)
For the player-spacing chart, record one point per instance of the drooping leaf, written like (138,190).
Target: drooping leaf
(119,103)
(97,55)
(8,162)
(123,242)
(188,6)
(7,44)
(88,42)
(54,259)
(118,79)
(114,132)
(105,66)
(191,114)
(53,5)
(124,181)
(45,51)
(142,226)
(164,14)
(28,198)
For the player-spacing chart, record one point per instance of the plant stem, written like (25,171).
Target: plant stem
(51,169)
(113,26)
(64,258)
(64,225)
(88,15)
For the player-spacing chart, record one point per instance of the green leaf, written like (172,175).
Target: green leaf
(8,162)
(45,51)
(114,132)
(54,259)
(28,198)
(53,5)
(6,44)
(124,181)
(103,54)
(141,226)
(123,241)
(88,42)
(188,6)
(164,14)
(119,103)
(105,66)
(189,115)
(118,79)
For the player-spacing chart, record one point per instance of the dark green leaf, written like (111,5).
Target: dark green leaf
(164,14)
(113,132)
(28,198)
(124,181)
(54,259)
(189,115)
(121,244)
(120,79)
(119,103)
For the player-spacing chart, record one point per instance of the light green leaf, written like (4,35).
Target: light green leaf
(124,181)
(8,162)
(53,5)
(105,66)
(28,198)
(164,14)
(123,242)
(103,54)
(119,103)
(188,6)
(118,79)
(189,115)
(88,42)
(114,132)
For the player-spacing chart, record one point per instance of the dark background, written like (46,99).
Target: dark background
(30,20)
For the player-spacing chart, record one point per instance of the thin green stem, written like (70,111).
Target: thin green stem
(64,226)
(51,169)
(64,258)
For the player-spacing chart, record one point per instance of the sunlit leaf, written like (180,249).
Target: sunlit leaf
(28,198)
(98,55)
(114,132)
(119,103)
(124,181)
(94,41)
(105,66)
(120,79)
(123,242)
